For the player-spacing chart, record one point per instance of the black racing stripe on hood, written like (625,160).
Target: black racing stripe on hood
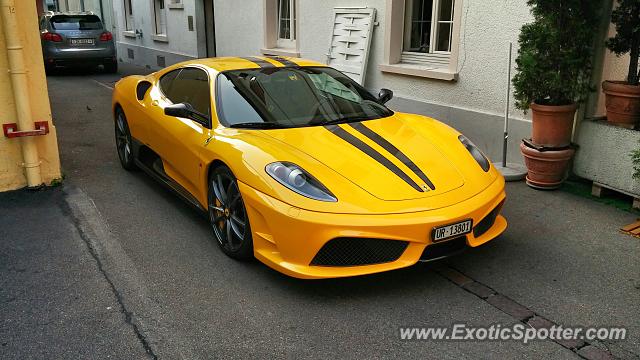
(372,153)
(283,61)
(260,62)
(393,150)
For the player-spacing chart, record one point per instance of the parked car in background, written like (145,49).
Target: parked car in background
(76,39)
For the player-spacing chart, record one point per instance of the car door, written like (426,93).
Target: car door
(179,141)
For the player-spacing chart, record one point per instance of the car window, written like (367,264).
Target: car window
(329,85)
(166,81)
(236,108)
(191,86)
(76,22)
(294,97)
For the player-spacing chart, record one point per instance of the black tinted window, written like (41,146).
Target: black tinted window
(236,108)
(166,81)
(76,22)
(294,97)
(191,86)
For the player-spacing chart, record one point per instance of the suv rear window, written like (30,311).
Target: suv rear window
(76,22)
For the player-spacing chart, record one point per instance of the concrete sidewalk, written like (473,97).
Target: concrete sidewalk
(55,302)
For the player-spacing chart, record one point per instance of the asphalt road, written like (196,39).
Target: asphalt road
(561,258)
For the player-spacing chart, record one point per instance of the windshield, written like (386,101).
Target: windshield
(293,97)
(76,22)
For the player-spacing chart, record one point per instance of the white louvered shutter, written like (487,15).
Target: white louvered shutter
(351,41)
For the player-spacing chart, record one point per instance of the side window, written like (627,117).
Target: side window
(166,81)
(232,107)
(192,86)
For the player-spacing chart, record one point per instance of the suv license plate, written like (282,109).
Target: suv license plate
(450,231)
(81,41)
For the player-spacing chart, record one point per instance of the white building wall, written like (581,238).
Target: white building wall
(474,104)
(239,27)
(181,43)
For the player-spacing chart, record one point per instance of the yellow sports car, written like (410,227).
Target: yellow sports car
(301,167)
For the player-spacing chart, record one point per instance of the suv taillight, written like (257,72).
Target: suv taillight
(106,36)
(49,36)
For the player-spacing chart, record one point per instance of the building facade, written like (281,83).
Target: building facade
(157,33)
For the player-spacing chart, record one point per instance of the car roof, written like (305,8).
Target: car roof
(72,13)
(251,62)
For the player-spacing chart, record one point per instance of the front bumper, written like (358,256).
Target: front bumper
(288,239)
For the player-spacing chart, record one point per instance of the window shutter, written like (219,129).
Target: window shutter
(351,41)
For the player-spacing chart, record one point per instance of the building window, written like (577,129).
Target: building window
(128,16)
(281,27)
(286,23)
(428,26)
(159,17)
(422,38)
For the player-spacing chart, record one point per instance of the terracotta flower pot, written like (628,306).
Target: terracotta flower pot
(623,103)
(552,125)
(547,169)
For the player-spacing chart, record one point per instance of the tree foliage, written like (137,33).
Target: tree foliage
(626,18)
(555,59)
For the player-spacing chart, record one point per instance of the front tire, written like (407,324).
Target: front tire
(124,142)
(228,215)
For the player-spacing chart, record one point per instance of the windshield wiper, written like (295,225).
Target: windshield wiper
(345,120)
(258,125)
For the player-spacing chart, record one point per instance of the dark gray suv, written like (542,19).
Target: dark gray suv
(78,39)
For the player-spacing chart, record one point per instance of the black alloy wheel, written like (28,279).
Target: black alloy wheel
(124,143)
(228,215)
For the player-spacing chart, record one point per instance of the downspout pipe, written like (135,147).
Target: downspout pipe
(20,86)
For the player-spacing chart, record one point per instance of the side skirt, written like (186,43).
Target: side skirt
(151,164)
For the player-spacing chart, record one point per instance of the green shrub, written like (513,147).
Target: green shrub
(554,62)
(626,18)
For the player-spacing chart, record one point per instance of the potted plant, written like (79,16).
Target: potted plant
(553,73)
(623,97)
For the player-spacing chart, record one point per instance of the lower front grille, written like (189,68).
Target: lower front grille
(487,223)
(358,252)
(444,249)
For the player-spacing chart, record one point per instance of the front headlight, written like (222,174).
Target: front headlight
(296,179)
(476,153)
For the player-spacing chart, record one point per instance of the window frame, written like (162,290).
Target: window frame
(212,94)
(129,24)
(272,44)
(290,42)
(158,14)
(436,65)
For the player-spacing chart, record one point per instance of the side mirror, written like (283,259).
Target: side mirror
(185,110)
(385,96)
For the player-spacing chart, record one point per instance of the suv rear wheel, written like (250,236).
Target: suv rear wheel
(111,68)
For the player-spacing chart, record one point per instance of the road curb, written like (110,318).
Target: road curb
(128,287)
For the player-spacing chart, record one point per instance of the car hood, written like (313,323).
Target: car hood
(390,158)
